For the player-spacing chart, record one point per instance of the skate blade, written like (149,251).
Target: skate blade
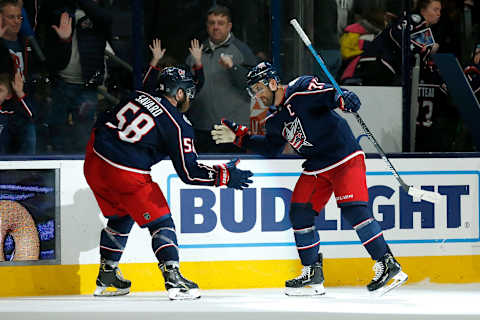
(312,290)
(110,291)
(178,294)
(399,279)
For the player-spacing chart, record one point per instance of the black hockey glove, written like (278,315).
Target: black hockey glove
(348,101)
(228,174)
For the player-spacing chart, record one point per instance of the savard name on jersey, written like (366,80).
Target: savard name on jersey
(149,104)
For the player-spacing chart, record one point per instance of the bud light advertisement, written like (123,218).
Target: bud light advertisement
(227,224)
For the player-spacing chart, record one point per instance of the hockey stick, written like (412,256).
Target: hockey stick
(417,193)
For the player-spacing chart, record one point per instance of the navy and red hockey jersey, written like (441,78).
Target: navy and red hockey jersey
(142,130)
(307,121)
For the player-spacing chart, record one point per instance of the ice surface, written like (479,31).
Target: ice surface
(420,301)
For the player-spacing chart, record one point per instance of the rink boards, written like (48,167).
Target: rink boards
(242,239)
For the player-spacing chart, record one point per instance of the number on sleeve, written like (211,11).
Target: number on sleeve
(315,85)
(188,145)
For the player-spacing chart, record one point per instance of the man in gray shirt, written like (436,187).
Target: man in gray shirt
(225,61)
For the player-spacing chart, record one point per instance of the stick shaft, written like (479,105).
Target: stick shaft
(380,151)
(317,57)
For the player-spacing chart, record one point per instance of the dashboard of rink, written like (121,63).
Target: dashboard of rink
(231,239)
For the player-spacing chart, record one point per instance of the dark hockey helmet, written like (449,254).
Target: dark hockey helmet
(173,78)
(263,72)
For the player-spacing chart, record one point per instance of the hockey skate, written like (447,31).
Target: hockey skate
(309,283)
(177,286)
(386,269)
(110,281)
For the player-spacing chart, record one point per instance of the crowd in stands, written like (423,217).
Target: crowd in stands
(54,78)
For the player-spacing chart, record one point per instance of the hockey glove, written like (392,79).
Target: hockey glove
(348,101)
(229,132)
(471,70)
(228,174)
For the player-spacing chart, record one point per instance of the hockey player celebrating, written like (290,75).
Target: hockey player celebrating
(304,117)
(126,141)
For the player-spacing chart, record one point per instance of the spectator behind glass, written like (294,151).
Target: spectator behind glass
(21,123)
(13,104)
(381,62)
(355,36)
(160,61)
(5,114)
(344,8)
(472,71)
(225,62)
(326,38)
(75,46)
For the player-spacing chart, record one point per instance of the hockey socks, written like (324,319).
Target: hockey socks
(114,237)
(164,239)
(368,229)
(306,236)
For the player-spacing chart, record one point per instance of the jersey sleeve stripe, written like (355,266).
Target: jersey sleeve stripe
(147,74)
(180,143)
(301,93)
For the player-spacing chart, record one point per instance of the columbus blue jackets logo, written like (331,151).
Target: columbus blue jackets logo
(294,134)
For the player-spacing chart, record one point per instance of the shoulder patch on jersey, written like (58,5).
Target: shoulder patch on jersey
(186,120)
(416,18)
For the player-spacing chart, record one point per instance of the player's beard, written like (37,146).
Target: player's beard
(270,99)
(183,105)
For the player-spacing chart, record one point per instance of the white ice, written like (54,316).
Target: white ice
(420,301)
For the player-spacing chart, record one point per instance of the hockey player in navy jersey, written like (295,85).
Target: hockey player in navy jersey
(304,117)
(125,143)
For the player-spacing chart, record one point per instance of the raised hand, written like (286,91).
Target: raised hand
(196,51)
(157,51)
(17,84)
(64,30)
(226,61)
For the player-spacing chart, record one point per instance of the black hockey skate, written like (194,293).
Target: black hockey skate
(110,281)
(386,269)
(177,286)
(309,283)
